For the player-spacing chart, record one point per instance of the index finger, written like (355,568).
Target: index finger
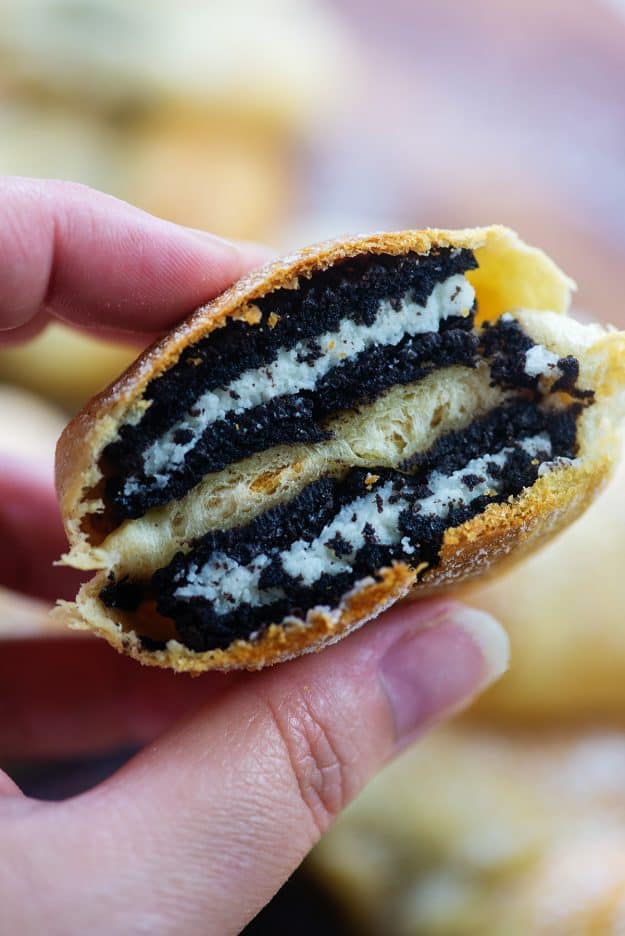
(76,254)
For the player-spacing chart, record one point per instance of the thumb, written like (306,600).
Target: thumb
(203,827)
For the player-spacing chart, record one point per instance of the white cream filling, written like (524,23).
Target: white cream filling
(289,374)
(226,584)
(540,362)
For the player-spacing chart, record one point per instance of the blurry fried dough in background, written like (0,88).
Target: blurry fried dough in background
(29,430)
(564,611)
(63,365)
(268,60)
(191,110)
(479,833)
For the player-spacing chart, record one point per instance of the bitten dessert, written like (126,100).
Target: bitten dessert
(367,419)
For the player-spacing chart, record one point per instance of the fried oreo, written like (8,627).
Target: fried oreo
(369,418)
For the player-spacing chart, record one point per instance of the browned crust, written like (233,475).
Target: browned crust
(278,643)
(502,534)
(474,548)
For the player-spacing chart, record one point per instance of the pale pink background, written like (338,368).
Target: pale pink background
(486,110)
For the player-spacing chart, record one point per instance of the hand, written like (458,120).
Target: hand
(240,773)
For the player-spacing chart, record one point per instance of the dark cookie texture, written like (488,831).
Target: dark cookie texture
(200,628)
(352,289)
(277,589)
(498,429)
(300,417)
(505,344)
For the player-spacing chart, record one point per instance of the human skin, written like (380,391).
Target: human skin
(239,774)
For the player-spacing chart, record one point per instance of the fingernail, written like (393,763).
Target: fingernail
(434,672)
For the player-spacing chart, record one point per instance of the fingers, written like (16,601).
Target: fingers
(71,252)
(75,697)
(8,787)
(24,618)
(199,831)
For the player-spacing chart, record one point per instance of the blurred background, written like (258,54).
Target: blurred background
(290,120)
